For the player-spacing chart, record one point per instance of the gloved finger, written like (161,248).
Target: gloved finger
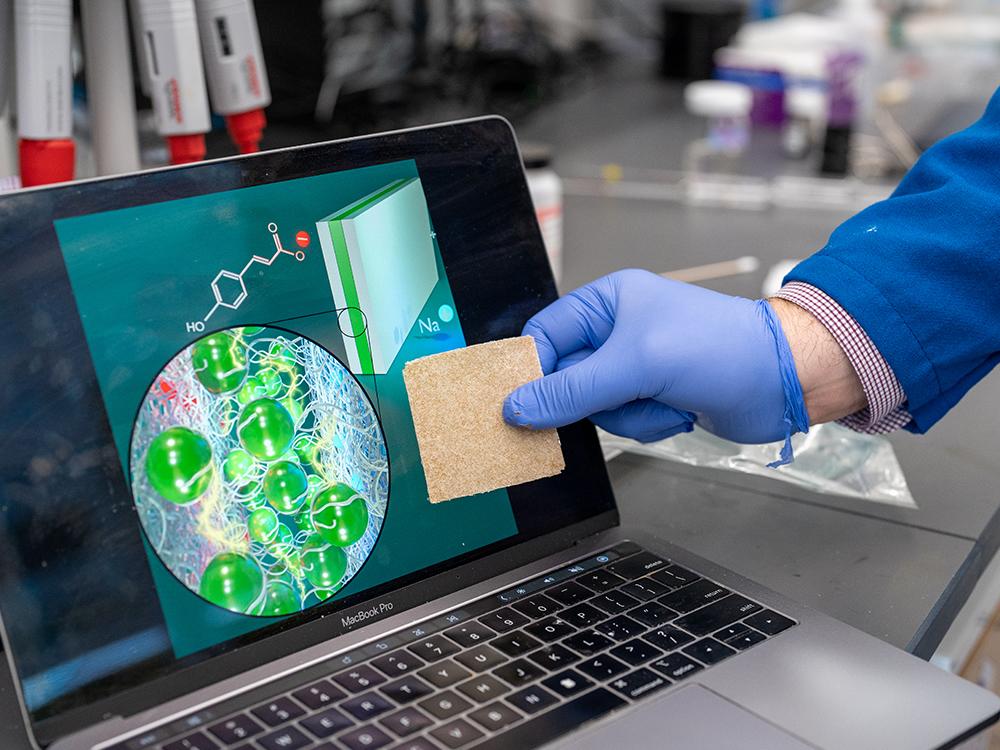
(581,319)
(573,358)
(645,420)
(596,383)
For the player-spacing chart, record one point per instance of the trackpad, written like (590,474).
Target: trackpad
(692,717)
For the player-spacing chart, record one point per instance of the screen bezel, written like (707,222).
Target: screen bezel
(435,147)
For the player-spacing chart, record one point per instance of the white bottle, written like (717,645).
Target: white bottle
(234,64)
(176,77)
(546,190)
(42,42)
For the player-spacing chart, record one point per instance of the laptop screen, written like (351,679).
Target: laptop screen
(206,440)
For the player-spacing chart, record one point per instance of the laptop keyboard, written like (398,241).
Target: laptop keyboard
(511,670)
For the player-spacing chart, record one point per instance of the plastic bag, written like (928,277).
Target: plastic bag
(829,459)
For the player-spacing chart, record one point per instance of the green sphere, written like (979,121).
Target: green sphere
(340,515)
(251,330)
(179,464)
(251,390)
(303,520)
(283,544)
(285,486)
(324,565)
(270,381)
(220,362)
(253,500)
(262,525)
(237,467)
(266,429)
(306,450)
(232,581)
(279,599)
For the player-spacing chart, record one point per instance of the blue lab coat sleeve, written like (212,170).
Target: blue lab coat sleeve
(920,271)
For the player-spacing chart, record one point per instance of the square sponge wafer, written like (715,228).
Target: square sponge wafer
(456,399)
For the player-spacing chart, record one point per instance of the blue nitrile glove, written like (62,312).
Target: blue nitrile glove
(646,357)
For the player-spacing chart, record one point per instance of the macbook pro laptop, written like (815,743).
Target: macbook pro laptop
(214,525)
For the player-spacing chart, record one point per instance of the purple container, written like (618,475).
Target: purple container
(768,87)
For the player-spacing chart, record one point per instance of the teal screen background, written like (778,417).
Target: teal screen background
(141,275)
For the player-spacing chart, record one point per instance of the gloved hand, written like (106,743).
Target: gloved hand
(645,357)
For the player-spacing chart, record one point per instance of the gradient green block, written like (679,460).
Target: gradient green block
(380,259)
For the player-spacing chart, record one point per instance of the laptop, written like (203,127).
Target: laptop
(214,525)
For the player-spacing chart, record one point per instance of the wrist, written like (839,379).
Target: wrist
(830,386)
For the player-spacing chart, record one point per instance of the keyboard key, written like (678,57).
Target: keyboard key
(602,667)
(458,733)
(417,743)
(639,683)
(433,648)
(516,643)
(600,581)
(708,651)
(582,615)
(196,741)
(769,622)
(277,712)
(444,673)
(635,652)
(318,695)
(445,705)
(614,602)
(569,593)
(675,576)
(746,639)
(359,679)
(397,663)
(481,658)
(236,728)
(567,683)
(652,614)
(366,706)
(550,629)
(470,634)
(587,643)
(620,628)
(645,589)
(730,631)
(326,723)
(365,738)
(668,638)
(405,722)
(519,672)
(406,689)
(288,738)
(483,688)
(676,666)
(560,720)
(717,615)
(495,716)
(504,620)
(696,595)
(532,699)
(638,565)
(553,657)
(537,606)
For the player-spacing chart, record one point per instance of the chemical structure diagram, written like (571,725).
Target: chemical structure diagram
(235,293)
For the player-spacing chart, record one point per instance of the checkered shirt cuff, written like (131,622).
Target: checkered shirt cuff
(884,412)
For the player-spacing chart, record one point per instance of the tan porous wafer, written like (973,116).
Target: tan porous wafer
(456,399)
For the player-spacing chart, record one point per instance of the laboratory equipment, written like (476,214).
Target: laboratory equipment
(234,64)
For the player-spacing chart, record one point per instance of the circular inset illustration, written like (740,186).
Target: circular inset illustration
(259,470)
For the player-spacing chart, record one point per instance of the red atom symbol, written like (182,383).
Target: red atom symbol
(302,238)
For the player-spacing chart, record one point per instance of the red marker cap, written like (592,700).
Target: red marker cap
(246,129)
(46,161)
(185,149)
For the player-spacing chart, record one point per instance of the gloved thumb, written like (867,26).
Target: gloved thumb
(593,384)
